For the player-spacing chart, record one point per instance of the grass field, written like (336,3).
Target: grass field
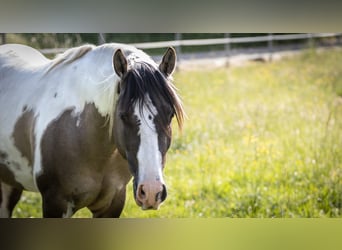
(263,140)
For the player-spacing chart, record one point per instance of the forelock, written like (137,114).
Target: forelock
(144,80)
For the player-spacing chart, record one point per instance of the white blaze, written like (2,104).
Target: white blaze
(149,156)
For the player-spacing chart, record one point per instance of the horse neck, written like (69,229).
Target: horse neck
(87,80)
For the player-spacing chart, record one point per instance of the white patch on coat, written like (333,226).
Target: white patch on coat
(27,79)
(18,164)
(149,156)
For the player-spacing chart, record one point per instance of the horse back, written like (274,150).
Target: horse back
(17,54)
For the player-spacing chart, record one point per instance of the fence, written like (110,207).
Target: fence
(227,41)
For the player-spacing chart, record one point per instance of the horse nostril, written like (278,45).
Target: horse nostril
(141,192)
(163,193)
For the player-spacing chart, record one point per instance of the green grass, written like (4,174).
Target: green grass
(263,140)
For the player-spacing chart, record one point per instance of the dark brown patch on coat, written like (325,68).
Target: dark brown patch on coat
(23,135)
(3,156)
(75,149)
(7,176)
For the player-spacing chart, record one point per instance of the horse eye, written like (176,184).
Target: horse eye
(123,116)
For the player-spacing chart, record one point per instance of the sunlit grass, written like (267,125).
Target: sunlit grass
(263,140)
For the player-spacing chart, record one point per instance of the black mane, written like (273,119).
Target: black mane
(144,79)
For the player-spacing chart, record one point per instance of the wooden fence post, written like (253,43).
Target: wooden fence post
(101,38)
(339,38)
(178,37)
(3,38)
(270,46)
(311,42)
(227,49)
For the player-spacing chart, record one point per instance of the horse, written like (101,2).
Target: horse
(79,127)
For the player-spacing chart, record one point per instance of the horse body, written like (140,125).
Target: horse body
(29,91)
(57,129)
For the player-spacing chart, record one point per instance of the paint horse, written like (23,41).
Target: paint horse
(77,128)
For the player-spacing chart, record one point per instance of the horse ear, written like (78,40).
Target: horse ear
(120,63)
(168,62)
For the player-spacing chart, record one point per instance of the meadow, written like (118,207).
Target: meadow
(263,140)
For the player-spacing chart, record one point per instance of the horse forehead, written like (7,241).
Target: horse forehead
(145,109)
(139,56)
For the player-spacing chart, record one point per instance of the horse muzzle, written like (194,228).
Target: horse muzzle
(149,195)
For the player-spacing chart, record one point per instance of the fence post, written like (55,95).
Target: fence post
(270,46)
(227,48)
(3,38)
(311,42)
(339,38)
(101,38)
(178,37)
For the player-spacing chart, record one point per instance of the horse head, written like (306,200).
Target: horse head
(147,102)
